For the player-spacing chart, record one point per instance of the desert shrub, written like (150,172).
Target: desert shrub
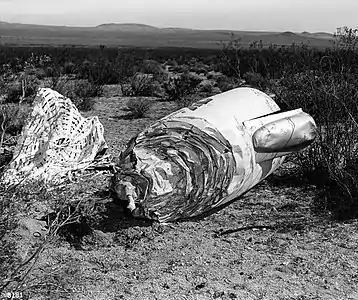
(13,117)
(179,69)
(20,83)
(65,214)
(2,89)
(108,66)
(328,97)
(180,87)
(225,83)
(10,259)
(256,80)
(8,222)
(14,92)
(346,38)
(81,92)
(12,120)
(158,90)
(171,62)
(198,67)
(206,87)
(51,71)
(150,66)
(331,165)
(99,72)
(31,85)
(141,85)
(231,57)
(331,162)
(126,90)
(85,104)
(69,68)
(40,73)
(138,107)
(214,75)
(23,88)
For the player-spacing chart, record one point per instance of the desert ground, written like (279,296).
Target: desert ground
(270,244)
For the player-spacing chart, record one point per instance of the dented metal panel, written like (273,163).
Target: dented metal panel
(199,159)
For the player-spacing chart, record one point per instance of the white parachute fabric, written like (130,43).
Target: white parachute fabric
(56,139)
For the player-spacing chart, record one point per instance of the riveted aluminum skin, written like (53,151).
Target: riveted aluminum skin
(199,159)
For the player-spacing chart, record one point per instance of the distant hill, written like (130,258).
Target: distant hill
(128,27)
(141,35)
(287,33)
(320,35)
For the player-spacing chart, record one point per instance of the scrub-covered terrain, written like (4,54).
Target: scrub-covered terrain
(271,244)
(294,236)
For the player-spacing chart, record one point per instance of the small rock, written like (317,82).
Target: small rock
(28,235)
(32,228)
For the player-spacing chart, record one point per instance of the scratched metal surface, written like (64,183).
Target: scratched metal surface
(201,158)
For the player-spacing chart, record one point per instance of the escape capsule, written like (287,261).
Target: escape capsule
(199,159)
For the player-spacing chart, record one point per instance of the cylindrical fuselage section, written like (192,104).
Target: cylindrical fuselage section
(198,158)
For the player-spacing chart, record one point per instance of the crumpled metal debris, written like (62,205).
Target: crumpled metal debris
(199,159)
(56,139)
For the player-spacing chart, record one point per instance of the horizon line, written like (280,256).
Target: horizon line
(169,27)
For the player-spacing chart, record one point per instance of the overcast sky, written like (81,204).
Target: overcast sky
(270,15)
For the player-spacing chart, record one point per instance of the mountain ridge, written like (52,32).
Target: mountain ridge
(146,26)
(143,35)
